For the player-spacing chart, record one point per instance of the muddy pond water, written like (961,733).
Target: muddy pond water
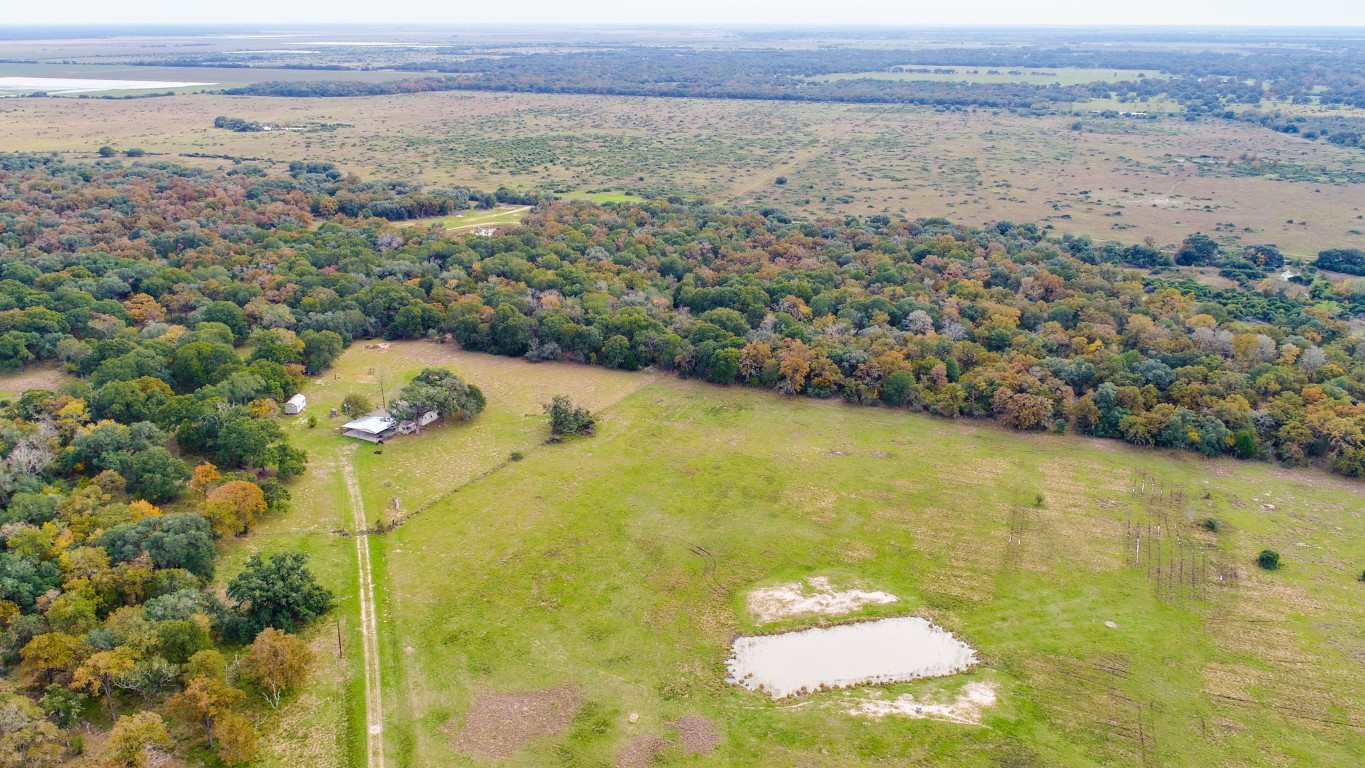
(882,651)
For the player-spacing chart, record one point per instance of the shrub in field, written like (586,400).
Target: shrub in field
(568,419)
(1269,559)
(356,404)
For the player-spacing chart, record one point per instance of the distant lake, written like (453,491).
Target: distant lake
(18,86)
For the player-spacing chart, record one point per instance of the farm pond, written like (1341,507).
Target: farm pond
(882,651)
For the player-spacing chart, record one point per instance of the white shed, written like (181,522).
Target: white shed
(296,404)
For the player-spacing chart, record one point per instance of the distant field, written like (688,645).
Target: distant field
(577,566)
(1029,75)
(973,166)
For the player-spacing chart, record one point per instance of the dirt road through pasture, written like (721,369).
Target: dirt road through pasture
(369,633)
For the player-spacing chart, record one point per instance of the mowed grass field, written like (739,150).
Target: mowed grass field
(505,214)
(1119,179)
(575,567)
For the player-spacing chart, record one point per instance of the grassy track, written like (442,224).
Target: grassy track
(374,698)
(575,567)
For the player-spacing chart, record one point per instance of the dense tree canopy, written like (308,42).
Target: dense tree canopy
(1004,322)
(438,390)
(279,592)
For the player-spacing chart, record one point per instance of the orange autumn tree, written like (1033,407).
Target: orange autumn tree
(233,506)
(206,476)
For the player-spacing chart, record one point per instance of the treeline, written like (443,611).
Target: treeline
(344,88)
(1204,81)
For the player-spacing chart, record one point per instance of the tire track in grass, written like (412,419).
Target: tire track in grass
(369,632)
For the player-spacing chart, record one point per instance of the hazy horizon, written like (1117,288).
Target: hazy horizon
(851,13)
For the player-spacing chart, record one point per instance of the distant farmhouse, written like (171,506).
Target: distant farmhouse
(378,426)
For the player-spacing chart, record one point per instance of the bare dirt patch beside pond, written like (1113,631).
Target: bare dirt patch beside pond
(966,708)
(815,596)
(502,724)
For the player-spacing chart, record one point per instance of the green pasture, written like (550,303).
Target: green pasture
(575,565)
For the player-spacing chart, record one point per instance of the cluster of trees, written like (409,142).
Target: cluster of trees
(568,419)
(107,614)
(1246,265)
(437,390)
(1348,260)
(238,124)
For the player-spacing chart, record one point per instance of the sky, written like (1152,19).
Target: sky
(878,12)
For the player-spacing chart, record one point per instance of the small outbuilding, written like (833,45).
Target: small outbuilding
(296,404)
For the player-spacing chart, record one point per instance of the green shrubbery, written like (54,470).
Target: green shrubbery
(567,419)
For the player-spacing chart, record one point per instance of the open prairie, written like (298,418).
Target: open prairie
(1111,178)
(576,606)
